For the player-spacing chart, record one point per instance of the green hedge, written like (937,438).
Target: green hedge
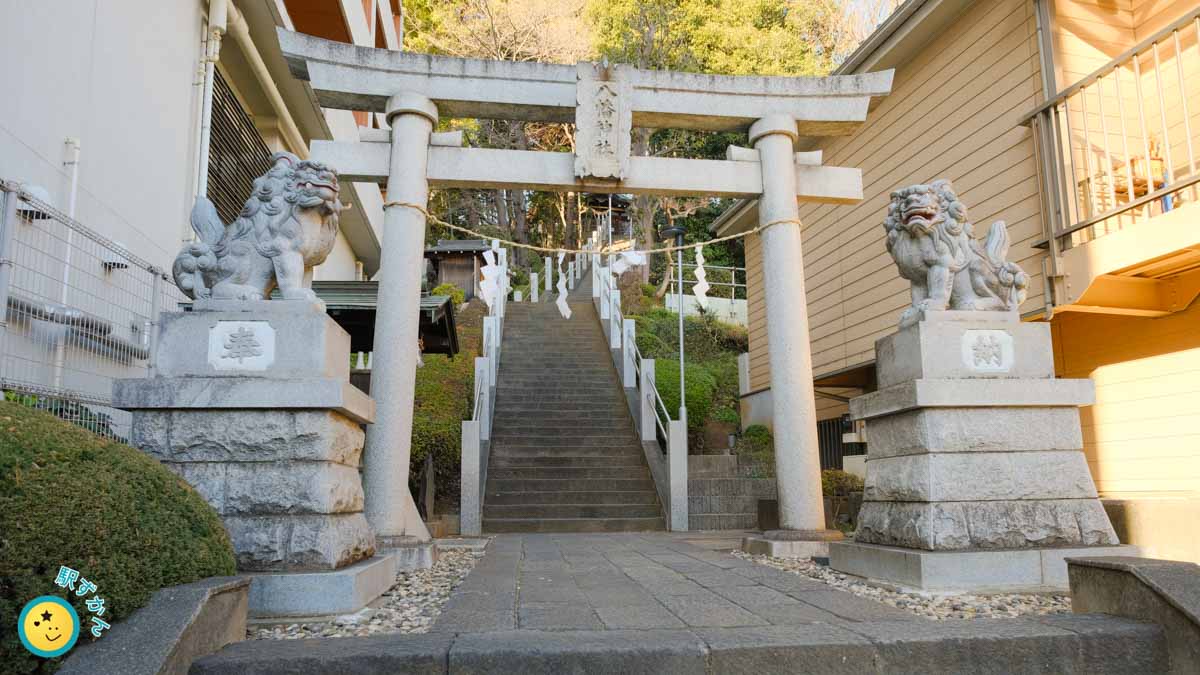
(124,521)
(700,386)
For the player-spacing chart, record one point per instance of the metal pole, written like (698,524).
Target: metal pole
(155,309)
(682,389)
(8,226)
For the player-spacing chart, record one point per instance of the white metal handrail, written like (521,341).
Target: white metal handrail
(669,465)
(1112,146)
(477,431)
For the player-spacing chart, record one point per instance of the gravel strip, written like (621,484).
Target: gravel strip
(410,606)
(928,606)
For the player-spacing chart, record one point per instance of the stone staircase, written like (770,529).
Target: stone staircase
(565,456)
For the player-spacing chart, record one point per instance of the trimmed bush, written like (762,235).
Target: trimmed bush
(456,294)
(124,521)
(838,483)
(700,386)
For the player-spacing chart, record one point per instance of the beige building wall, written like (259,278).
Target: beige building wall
(954,113)
(1142,437)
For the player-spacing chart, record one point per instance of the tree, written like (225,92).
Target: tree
(512,30)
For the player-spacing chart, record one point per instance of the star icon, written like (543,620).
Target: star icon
(45,616)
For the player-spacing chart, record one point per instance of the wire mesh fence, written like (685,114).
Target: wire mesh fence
(80,311)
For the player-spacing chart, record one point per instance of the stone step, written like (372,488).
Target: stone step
(1078,643)
(505,525)
(569,485)
(577,441)
(552,511)
(609,394)
(505,461)
(698,522)
(592,425)
(509,450)
(569,472)
(732,487)
(641,497)
(560,411)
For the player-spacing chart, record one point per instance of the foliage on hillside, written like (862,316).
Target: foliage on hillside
(71,498)
(442,401)
(710,349)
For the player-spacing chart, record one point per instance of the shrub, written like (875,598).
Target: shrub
(838,483)
(124,521)
(699,385)
(651,346)
(519,276)
(456,294)
(756,446)
(648,290)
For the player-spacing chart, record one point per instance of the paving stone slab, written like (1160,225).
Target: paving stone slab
(815,648)
(854,608)
(795,613)
(352,656)
(1004,646)
(638,616)
(648,652)
(710,611)
(474,621)
(557,616)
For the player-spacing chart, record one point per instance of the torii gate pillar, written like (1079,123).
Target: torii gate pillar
(797,459)
(389,506)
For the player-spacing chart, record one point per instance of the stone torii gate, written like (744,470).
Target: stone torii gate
(605,103)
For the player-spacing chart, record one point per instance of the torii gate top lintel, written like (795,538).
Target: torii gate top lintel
(604,103)
(351,77)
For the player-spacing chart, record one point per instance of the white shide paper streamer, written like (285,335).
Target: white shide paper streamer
(563,308)
(700,288)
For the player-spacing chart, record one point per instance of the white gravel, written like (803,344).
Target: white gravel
(410,606)
(925,605)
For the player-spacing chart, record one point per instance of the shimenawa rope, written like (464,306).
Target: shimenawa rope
(546,249)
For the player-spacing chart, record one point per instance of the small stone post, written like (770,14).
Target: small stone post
(533,286)
(549,275)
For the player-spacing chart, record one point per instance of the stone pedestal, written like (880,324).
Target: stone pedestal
(252,405)
(974,460)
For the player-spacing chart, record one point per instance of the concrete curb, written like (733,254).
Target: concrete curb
(178,625)
(1091,644)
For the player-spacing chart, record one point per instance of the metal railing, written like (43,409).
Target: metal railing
(79,311)
(718,277)
(654,422)
(477,431)
(1117,148)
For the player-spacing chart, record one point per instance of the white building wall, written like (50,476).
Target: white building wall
(340,265)
(122,78)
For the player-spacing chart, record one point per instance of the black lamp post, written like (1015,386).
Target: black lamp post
(664,235)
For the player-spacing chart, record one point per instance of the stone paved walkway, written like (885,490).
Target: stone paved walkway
(660,603)
(637,581)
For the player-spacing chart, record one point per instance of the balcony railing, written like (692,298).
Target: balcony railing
(1117,147)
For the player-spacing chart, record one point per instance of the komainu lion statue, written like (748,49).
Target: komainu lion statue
(935,248)
(287,227)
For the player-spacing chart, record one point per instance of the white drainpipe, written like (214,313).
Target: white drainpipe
(241,33)
(218,11)
(71,163)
